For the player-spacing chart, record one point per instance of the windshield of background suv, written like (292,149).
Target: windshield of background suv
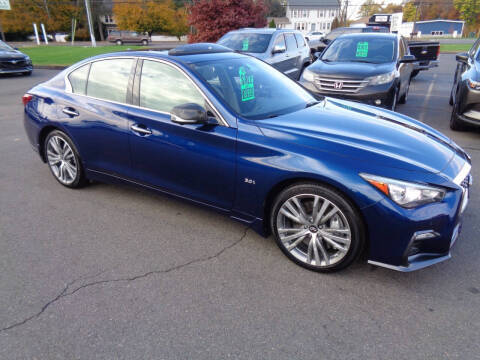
(360,49)
(5,47)
(252,88)
(246,42)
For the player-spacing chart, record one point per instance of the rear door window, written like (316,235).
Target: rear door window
(78,79)
(291,42)
(300,41)
(108,79)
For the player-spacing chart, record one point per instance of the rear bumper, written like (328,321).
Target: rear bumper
(425,65)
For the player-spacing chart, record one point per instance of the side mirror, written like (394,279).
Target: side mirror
(306,38)
(189,113)
(326,41)
(462,57)
(277,49)
(408,59)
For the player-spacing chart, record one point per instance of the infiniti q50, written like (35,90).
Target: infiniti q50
(328,178)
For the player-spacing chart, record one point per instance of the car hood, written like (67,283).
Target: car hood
(350,70)
(366,133)
(11,54)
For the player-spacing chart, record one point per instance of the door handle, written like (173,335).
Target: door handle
(141,130)
(70,111)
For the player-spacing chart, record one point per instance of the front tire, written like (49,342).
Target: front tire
(144,42)
(404,98)
(395,99)
(63,160)
(415,73)
(455,123)
(119,42)
(316,227)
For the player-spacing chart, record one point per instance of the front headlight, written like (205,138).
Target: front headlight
(472,84)
(405,194)
(308,75)
(381,79)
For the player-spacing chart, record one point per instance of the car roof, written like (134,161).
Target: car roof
(370,34)
(263,30)
(163,55)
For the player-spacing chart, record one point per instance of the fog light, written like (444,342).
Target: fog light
(378,102)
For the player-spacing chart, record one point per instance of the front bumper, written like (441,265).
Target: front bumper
(23,70)
(469,105)
(425,235)
(425,65)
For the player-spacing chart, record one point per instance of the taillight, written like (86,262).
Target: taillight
(26,99)
(438,51)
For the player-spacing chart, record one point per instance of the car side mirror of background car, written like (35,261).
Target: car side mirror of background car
(408,59)
(277,49)
(462,57)
(189,113)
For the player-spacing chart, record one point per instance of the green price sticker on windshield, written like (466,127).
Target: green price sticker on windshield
(362,49)
(245,45)
(246,85)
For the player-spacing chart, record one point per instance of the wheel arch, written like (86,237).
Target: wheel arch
(285,183)
(42,136)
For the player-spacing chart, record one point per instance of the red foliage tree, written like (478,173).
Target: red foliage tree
(211,19)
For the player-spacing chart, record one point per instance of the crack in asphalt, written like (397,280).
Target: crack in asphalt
(65,292)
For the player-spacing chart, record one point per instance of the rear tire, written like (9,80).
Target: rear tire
(144,42)
(328,233)
(415,73)
(63,160)
(119,42)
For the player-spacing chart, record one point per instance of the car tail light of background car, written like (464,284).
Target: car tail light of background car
(26,99)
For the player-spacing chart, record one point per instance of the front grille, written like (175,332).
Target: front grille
(13,64)
(340,85)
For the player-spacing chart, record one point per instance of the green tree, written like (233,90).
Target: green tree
(370,7)
(409,11)
(469,11)
(272,24)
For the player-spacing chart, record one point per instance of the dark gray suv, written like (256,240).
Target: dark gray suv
(286,50)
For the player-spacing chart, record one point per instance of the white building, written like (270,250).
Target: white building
(311,15)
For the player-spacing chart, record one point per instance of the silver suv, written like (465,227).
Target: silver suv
(286,50)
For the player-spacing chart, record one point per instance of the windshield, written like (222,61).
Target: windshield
(252,88)
(246,42)
(360,49)
(4,46)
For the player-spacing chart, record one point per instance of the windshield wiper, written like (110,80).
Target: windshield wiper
(272,116)
(312,104)
(364,61)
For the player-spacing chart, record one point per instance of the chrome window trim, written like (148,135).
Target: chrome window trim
(68,85)
(462,174)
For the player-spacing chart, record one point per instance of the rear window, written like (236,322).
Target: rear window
(108,79)
(246,42)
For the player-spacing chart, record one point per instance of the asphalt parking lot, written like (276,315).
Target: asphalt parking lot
(111,272)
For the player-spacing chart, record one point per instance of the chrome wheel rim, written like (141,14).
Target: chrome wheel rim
(61,160)
(314,230)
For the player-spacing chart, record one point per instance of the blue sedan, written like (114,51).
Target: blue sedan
(328,178)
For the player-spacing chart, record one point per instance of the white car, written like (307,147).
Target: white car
(315,36)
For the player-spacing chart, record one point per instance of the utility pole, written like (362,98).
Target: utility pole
(1,31)
(345,13)
(90,26)
(417,4)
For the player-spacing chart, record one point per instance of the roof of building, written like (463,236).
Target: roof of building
(437,20)
(313,3)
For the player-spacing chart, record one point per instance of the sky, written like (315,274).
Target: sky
(353,10)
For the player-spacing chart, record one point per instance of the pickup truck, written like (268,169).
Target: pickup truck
(426,53)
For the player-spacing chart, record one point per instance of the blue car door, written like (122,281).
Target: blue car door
(192,160)
(98,121)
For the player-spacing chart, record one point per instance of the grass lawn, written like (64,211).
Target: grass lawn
(455,48)
(67,55)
